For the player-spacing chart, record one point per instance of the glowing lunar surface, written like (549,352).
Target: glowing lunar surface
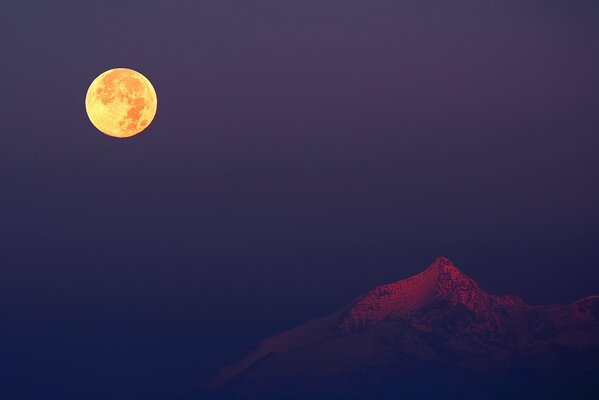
(121,102)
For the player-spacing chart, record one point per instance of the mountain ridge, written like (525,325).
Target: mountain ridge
(438,318)
(441,280)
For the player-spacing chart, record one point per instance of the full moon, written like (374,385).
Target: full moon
(121,102)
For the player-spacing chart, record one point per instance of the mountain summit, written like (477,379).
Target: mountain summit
(438,323)
(442,281)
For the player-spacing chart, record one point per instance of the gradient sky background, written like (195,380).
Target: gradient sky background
(303,152)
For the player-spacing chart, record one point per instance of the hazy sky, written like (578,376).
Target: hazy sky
(303,152)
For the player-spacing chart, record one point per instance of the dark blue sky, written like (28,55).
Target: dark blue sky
(302,153)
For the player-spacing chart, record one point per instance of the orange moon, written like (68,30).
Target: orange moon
(121,102)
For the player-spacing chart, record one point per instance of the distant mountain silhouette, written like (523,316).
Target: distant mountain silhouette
(434,334)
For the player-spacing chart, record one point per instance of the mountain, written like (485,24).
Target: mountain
(433,334)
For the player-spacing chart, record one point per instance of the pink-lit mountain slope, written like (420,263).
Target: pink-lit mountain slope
(439,318)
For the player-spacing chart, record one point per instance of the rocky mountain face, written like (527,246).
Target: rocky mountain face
(433,333)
